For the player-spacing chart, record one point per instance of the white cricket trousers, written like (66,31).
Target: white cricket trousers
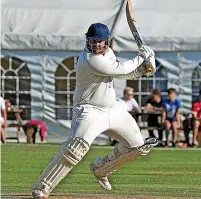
(89,121)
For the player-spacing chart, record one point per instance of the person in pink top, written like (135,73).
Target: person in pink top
(31,128)
(3,119)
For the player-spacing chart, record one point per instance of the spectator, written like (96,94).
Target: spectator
(128,102)
(187,126)
(171,115)
(3,119)
(30,129)
(155,104)
(196,108)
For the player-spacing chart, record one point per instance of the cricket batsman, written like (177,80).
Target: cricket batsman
(95,112)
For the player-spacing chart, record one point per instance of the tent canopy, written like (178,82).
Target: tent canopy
(61,25)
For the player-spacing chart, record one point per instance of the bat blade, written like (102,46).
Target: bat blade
(136,33)
(133,24)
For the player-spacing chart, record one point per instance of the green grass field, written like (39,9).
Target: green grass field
(172,173)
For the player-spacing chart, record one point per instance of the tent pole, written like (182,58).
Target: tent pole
(44,62)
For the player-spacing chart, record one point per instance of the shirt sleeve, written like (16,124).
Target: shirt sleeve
(104,66)
(135,104)
(194,107)
(179,104)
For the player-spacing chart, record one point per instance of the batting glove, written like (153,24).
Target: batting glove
(146,52)
(150,66)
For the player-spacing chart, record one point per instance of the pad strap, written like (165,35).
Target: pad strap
(116,160)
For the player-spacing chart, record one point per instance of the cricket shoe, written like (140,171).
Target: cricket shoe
(149,143)
(103,180)
(39,194)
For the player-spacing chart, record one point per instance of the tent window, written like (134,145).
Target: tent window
(196,82)
(65,81)
(16,85)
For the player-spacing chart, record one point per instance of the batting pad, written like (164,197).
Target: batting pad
(118,160)
(111,165)
(68,156)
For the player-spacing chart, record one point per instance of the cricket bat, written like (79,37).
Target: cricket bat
(135,29)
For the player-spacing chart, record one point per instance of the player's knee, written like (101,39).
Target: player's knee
(174,125)
(125,147)
(74,150)
(122,148)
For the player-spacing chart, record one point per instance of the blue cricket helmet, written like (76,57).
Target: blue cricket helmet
(98,31)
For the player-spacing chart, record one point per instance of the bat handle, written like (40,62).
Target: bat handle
(140,46)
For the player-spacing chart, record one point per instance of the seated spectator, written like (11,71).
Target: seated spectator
(187,126)
(196,108)
(3,119)
(155,104)
(171,115)
(127,101)
(31,128)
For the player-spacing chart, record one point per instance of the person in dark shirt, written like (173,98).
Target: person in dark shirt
(155,104)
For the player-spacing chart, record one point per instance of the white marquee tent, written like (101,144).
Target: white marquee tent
(41,41)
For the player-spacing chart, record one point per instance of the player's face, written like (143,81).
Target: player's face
(172,96)
(98,46)
(128,95)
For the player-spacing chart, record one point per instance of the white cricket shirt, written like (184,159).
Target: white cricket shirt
(128,105)
(95,74)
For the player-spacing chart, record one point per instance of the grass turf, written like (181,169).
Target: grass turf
(162,173)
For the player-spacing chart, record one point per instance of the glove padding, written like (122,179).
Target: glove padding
(150,66)
(146,52)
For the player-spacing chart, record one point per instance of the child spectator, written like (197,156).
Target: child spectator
(171,115)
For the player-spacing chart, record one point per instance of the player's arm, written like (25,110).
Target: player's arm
(141,70)
(104,66)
